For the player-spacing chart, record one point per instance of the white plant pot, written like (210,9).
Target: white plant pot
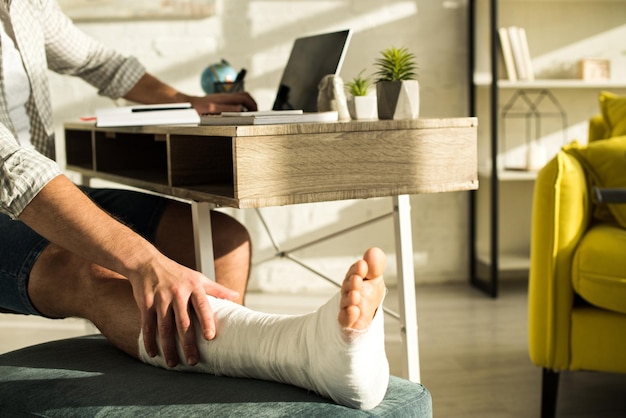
(398,99)
(362,107)
(536,156)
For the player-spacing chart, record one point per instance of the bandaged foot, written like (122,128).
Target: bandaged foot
(337,351)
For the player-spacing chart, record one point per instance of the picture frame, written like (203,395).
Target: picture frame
(114,10)
(592,69)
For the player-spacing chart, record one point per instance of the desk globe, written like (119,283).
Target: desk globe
(215,75)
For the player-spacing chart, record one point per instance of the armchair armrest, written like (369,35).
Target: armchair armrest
(608,195)
(561,214)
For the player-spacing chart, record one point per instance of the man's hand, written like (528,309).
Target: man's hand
(223,102)
(151,90)
(166,292)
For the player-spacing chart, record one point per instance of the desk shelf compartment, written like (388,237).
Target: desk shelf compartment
(79,149)
(160,160)
(275,165)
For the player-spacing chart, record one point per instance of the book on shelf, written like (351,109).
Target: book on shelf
(520,53)
(507,54)
(516,49)
(268,117)
(528,64)
(144,115)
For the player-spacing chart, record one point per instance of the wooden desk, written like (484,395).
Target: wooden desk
(273,165)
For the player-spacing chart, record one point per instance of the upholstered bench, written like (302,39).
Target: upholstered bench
(87,376)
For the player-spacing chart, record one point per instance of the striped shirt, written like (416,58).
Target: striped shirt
(47,39)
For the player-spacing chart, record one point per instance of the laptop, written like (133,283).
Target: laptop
(311,58)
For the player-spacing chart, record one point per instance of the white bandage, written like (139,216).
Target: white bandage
(311,351)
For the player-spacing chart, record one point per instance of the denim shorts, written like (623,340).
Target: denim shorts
(20,246)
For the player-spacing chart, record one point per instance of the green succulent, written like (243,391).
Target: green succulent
(396,64)
(360,85)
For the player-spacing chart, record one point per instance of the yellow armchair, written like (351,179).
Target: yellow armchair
(577,283)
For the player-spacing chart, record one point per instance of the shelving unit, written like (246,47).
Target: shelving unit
(500,209)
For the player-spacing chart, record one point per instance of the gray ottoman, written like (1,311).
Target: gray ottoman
(87,376)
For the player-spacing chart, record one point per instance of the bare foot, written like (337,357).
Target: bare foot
(362,290)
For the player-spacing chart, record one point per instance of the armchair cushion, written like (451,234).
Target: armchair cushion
(599,267)
(597,128)
(613,108)
(605,162)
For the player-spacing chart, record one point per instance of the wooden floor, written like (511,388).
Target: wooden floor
(473,353)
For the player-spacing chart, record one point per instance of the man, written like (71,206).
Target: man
(54,240)
(108,256)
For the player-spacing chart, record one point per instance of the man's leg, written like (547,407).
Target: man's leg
(337,351)
(231,245)
(168,224)
(63,285)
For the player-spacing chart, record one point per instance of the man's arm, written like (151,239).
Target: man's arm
(161,287)
(150,90)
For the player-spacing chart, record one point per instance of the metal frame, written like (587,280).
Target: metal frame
(404,254)
(491,286)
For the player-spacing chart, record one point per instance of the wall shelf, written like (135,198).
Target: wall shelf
(508,175)
(485,81)
(500,209)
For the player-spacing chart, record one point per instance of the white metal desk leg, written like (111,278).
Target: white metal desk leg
(85,180)
(203,238)
(406,287)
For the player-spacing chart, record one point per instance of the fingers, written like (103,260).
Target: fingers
(170,319)
(148,327)
(224,102)
(186,331)
(221,292)
(174,322)
(239,98)
(167,335)
(205,315)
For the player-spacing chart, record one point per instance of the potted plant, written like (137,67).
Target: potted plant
(397,88)
(361,104)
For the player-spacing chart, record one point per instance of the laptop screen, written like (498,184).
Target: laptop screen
(311,59)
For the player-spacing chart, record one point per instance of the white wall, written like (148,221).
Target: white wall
(258,35)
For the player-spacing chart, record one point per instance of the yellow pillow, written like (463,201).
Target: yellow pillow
(605,162)
(613,108)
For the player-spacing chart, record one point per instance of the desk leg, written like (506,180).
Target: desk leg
(85,180)
(406,287)
(203,238)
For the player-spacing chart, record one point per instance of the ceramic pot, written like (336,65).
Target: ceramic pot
(362,107)
(398,99)
(536,156)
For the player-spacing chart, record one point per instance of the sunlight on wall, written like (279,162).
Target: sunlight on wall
(562,63)
(258,35)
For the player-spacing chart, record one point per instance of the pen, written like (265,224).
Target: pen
(241,75)
(238,83)
(154,109)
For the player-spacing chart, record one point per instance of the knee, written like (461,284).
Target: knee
(66,267)
(62,284)
(228,234)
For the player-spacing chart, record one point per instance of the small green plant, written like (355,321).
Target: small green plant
(396,64)
(360,85)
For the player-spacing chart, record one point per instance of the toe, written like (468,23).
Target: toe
(376,262)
